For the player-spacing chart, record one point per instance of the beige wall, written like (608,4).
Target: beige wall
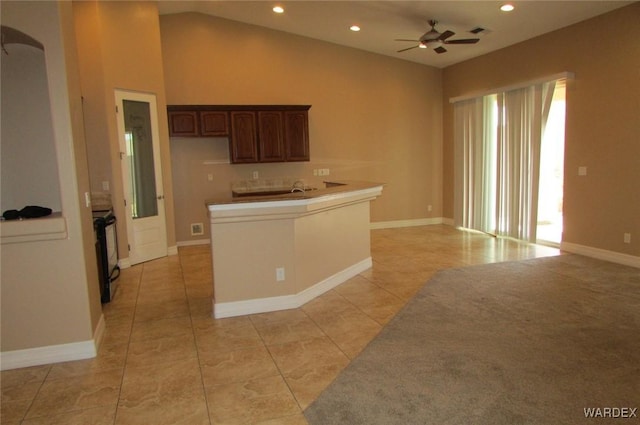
(119,48)
(602,123)
(50,292)
(372,117)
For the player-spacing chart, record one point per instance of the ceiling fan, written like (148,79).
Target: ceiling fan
(435,40)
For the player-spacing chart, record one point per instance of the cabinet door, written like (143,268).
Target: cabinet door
(214,123)
(270,136)
(244,142)
(296,135)
(183,123)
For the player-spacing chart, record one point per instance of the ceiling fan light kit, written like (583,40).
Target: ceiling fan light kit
(435,40)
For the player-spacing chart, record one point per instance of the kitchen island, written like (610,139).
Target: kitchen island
(276,252)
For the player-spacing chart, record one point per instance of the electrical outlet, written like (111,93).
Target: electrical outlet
(105,185)
(627,238)
(210,177)
(280,274)
(582,170)
(197,229)
(255,175)
(429,208)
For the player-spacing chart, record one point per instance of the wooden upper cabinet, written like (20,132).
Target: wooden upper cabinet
(214,123)
(270,136)
(244,138)
(257,133)
(183,123)
(296,135)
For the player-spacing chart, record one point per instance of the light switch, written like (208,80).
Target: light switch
(582,170)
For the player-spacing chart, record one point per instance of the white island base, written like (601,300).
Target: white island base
(280,252)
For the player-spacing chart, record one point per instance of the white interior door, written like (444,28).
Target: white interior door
(142,175)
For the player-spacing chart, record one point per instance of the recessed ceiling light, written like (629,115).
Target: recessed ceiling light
(507,7)
(278,9)
(354,28)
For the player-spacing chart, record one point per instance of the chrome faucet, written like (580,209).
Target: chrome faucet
(298,186)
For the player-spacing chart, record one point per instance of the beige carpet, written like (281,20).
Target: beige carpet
(528,342)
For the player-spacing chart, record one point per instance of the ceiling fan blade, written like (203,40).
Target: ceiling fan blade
(445,35)
(462,41)
(408,48)
(440,49)
(404,39)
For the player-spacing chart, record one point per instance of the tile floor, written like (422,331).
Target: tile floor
(164,360)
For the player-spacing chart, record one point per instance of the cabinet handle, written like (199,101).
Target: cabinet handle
(160,197)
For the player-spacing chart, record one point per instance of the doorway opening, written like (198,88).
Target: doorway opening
(550,188)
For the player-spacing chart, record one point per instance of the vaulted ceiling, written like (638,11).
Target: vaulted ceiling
(382,22)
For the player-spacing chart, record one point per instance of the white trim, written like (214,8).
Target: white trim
(172,250)
(49,354)
(601,254)
(98,334)
(54,353)
(284,203)
(285,302)
(448,221)
(560,76)
(124,263)
(194,242)
(406,223)
(34,229)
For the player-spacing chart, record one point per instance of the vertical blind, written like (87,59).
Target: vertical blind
(497,159)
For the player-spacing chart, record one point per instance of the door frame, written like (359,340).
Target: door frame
(134,254)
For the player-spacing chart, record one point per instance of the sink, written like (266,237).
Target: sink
(273,192)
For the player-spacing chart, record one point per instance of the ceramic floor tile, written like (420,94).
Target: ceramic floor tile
(171,394)
(251,402)
(160,351)
(308,384)
(287,420)
(277,316)
(162,328)
(22,376)
(236,366)
(161,295)
(294,357)
(217,339)
(71,394)
(165,310)
(289,330)
(16,400)
(110,358)
(96,416)
(353,340)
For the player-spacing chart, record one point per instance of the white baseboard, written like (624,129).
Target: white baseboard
(601,254)
(406,223)
(98,334)
(124,263)
(194,242)
(285,302)
(49,354)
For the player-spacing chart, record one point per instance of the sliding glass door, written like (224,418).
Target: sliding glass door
(499,178)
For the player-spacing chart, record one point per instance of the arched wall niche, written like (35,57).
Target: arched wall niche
(29,166)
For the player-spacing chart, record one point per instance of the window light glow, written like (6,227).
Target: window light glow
(354,28)
(278,9)
(507,7)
